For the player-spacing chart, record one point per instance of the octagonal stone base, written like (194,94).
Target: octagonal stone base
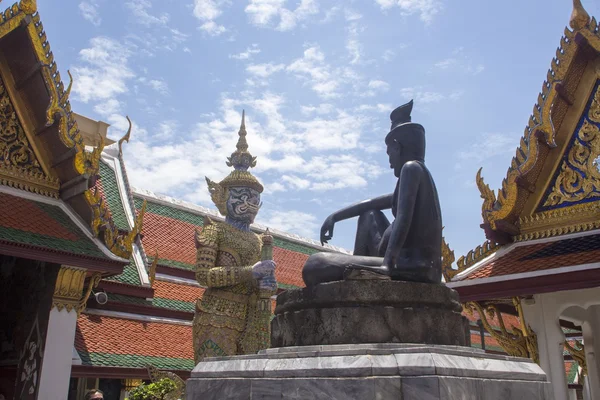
(369,311)
(370,371)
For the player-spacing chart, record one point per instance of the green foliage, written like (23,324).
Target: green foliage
(153,391)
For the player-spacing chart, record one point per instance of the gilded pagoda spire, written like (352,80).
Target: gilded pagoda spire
(241,159)
(579,17)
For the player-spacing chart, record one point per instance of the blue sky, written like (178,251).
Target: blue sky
(318,79)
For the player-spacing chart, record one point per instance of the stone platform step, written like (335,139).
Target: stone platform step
(369,371)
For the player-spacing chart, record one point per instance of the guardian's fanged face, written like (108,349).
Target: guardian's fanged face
(243,204)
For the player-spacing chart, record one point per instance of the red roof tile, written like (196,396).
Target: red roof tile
(289,266)
(174,291)
(101,334)
(541,257)
(172,238)
(25,215)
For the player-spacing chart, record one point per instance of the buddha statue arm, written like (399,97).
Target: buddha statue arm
(410,178)
(209,274)
(354,210)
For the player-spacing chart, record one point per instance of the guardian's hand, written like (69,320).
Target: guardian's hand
(268,283)
(327,229)
(263,269)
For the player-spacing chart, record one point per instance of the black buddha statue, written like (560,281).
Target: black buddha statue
(409,248)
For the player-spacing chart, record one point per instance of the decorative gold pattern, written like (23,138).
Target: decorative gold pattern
(233,315)
(521,342)
(93,283)
(152,271)
(472,257)
(126,137)
(579,177)
(68,288)
(28,6)
(130,384)
(579,17)
(578,355)
(19,166)
(577,218)
(241,160)
(89,162)
(68,291)
(540,127)
(120,244)
(447,260)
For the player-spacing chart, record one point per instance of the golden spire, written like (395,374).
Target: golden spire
(579,17)
(241,159)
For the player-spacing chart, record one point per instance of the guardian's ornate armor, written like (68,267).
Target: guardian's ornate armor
(233,315)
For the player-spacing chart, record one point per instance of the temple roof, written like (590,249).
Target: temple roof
(48,230)
(110,341)
(553,181)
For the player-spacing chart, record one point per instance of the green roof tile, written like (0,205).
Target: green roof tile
(172,263)
(134,361)
(112,196)
(170,212)
(121,298)
(78,243)
(173,304)
(130,275)
(292,246)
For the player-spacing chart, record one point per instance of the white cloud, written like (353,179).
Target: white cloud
(424,96)
(89,11)
(296,182)
(263,12)
(264,70)
(141,11)
(207,11)
(159,85)
(300,223)
(313,69)
(212,28)
(488,145)
(427,9)
(245,55)
(460,61)
(375,107)
(379,85)
(324,108)
(104,72)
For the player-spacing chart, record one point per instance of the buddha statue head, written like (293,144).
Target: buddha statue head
(406,140)
(238,195)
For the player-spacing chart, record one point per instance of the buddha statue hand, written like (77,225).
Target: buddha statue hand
(327,229)
(263,269)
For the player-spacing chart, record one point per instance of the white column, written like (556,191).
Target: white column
(542,316)
(591,342)
(58,354)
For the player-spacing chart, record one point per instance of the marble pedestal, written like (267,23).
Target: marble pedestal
(369,371)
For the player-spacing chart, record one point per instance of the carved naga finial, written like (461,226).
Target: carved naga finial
(126,137)
(28,6)
(579,17)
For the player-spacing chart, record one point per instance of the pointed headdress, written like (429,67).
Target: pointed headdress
(406,131)
(241,160)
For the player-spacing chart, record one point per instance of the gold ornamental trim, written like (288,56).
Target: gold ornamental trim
(520,341)
(68,291)
(103,226)
(473,256)
(578,354)
(540,128)
(578,218)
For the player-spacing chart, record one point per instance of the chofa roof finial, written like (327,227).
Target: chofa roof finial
(579,17)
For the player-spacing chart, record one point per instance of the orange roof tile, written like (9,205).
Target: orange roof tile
(101,334)
(174,291)
(542,256)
